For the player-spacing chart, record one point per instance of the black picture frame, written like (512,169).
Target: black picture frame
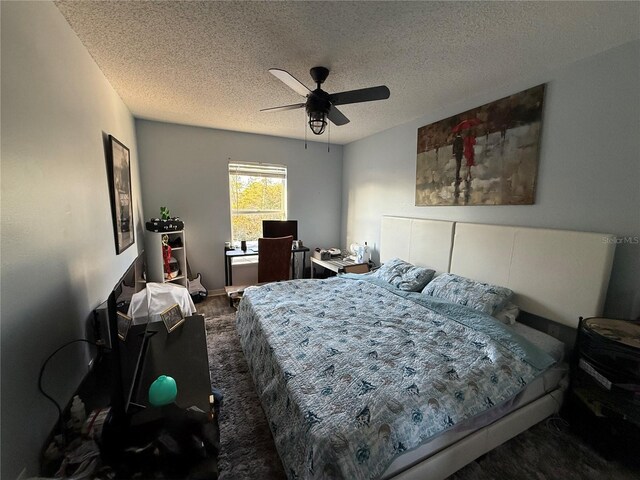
(119,165)
(172,317)
(124,323)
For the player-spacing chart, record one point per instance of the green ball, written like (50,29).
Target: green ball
(163,391)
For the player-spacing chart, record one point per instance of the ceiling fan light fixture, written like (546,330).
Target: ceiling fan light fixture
(320,105)
(317,122)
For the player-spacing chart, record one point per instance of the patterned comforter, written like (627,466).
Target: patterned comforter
(352,373)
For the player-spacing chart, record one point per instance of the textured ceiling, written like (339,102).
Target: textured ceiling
(206,63)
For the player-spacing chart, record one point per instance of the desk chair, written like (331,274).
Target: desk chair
(274,259)
(274,265)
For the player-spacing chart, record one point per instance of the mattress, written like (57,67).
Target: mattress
(551,379)
(554,347)
(353,375)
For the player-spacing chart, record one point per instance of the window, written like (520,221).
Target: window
(257,192)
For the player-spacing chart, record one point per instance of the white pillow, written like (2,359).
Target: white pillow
(508,313)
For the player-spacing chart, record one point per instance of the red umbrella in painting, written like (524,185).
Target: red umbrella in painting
(466,124)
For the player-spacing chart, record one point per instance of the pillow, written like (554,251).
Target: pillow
(477,295)
(508,313)
(404,275)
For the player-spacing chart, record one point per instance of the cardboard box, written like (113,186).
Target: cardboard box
(321,255)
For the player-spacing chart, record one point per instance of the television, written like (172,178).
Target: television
(280,228)
(123,357)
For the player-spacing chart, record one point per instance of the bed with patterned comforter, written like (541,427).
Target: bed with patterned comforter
(352,373)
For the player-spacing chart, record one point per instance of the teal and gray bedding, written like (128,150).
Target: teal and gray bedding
(480,296)
(550,380)
(404,275)
(352,373)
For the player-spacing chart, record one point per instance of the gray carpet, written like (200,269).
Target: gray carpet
(247,450)
(545,452)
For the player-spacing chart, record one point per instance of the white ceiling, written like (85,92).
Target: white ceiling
(205,63)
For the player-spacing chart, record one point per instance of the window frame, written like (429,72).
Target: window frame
(258,170)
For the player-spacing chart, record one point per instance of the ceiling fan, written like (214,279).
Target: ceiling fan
(321,105)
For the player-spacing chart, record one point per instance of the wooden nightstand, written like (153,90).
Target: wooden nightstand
(604,403)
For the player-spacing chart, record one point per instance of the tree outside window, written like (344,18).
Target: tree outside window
(257,192)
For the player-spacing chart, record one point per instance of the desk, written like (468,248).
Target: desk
(181,354)
(150,351)
(336,264)
(229,255)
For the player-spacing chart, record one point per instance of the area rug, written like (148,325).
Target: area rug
(547,451)
(247,450)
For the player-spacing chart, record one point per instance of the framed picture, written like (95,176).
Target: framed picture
(172,317)
(484,156)
(124,323)
(121,200)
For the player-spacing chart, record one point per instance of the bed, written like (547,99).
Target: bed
(361,380)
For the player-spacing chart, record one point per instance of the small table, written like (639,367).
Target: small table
(229,255)
(336,264)
(605,387)
(183,355)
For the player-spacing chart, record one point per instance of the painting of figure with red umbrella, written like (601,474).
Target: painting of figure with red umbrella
(484,156)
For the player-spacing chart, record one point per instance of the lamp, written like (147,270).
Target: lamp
(317,122)
(318,107)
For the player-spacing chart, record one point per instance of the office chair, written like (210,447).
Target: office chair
(274,259)
(274,265)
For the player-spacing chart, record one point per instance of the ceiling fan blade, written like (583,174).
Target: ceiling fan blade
(362,95)
(337,117)
(285,107)
(291,81)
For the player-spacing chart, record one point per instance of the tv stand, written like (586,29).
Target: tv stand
(148,352)
(182,355)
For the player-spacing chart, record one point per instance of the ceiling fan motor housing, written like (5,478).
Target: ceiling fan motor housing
(318,102)
(319,75)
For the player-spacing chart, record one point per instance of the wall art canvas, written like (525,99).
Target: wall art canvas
(121,200)
(484,156)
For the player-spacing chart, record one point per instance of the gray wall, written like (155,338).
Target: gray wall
(186,169)
(589,171)
(58,254)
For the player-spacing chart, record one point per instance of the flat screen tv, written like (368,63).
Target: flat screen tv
(123,355)
(280,228)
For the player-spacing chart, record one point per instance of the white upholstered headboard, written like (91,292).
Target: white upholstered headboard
(556,274)
(425,243)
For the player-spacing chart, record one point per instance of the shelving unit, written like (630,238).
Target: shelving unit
(604,400)
(155,262)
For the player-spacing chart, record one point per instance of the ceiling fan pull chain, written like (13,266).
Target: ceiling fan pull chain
(329,138)
(305,133)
